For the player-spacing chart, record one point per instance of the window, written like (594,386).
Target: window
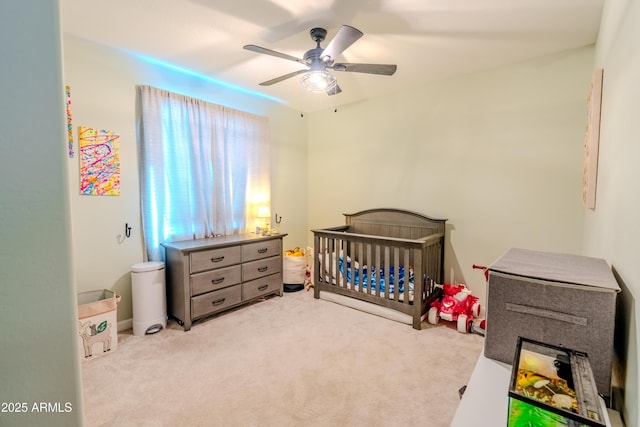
(204,168)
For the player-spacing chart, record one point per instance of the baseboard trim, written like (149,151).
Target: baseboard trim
(367,307)
(123,325)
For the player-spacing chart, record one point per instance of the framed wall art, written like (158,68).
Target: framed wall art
(67,90)
(592,141)
(99,162)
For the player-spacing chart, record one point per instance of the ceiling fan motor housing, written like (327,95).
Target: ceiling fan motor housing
(312,57)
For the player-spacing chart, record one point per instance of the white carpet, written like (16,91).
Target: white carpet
(285,361)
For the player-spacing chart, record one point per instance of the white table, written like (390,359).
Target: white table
(485,401)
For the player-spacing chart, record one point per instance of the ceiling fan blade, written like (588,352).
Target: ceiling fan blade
(334,91)
(266,51)
(384,69)
(345,37)
(281,78)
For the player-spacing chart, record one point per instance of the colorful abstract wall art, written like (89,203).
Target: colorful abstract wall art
(99,162)
(67,90)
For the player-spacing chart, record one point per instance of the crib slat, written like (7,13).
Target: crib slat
(384,272)
(396,273)
(360,264)
(336,259)
(375,270)
(407,276)
(367,261)
(353,257)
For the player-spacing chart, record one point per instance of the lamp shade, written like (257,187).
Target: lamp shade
(318,81)
(264,212)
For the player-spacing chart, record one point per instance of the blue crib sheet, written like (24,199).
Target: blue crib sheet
(376,279)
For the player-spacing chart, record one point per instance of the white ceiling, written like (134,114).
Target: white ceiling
(427,39)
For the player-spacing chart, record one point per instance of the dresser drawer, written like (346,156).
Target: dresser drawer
(215,258)
(260,250)
(260,268)
(261,286)
(215,279)
(215,301)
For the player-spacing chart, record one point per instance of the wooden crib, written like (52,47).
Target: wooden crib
(389,258)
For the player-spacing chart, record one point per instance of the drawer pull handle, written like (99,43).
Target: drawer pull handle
(263,250)
(220,258)
(217,281)
(263,269)
(218,301)
(263,288)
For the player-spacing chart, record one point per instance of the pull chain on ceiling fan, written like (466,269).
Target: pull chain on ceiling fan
(316,77)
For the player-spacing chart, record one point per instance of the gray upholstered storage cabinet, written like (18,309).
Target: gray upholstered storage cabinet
(560,299)
(207,276)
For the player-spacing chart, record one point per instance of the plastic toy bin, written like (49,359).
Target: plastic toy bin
(97,323)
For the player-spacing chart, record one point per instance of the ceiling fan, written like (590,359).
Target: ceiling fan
(315,77)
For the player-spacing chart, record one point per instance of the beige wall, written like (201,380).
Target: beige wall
(497,153)
(611,230)
(102,82)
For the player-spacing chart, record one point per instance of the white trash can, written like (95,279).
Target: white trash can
(148,297)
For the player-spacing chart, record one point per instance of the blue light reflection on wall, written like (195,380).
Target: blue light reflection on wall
(206,78)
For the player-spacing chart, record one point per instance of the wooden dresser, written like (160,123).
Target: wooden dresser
(207,276)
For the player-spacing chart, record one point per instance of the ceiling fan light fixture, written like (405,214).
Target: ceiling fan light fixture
(318,81)
(316,78)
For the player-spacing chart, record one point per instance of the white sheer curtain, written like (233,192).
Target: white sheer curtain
(204,168)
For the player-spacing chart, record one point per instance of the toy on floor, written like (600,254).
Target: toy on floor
(456,305)
(481,327)
(308,280)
